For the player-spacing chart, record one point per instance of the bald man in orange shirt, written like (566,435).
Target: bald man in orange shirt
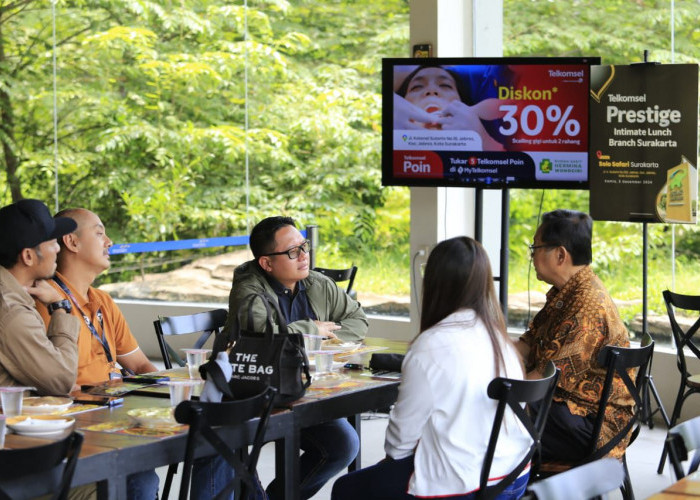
(105,338)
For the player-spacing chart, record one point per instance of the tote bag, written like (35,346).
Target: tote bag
(260,359)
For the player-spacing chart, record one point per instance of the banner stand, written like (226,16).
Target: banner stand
(647,414)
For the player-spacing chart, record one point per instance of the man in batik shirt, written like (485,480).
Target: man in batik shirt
(578,319)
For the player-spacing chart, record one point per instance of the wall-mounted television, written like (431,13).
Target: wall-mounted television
(486,122)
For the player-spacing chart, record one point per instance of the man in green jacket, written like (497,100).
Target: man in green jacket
(310,303)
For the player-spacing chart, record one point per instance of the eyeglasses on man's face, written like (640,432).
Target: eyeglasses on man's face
(534,247)
(294,252)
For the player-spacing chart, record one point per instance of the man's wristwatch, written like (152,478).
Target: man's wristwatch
(61,304)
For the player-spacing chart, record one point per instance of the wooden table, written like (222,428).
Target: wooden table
(109,457)
(687,487)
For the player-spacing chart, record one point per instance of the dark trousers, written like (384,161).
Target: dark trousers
(566,437)
(388,480)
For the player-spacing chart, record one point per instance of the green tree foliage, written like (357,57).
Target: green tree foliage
(152,111)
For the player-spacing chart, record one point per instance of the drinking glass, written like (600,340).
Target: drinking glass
(180,390)
(312,342)
(11,398)
(195,357)
(324,361)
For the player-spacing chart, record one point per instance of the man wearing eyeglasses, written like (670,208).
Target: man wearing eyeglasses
(578,319)
(311,303)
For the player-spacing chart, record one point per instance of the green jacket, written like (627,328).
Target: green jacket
(327,300)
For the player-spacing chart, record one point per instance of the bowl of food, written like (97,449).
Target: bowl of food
(45,405)
(39,425)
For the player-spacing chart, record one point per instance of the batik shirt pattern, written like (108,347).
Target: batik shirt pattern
(575,323)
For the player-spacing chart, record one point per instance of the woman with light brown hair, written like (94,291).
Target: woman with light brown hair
(439,428)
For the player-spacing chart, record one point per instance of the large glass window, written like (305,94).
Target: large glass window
(618,32)
(185,119)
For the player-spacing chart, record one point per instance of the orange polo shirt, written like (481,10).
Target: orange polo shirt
(93,366)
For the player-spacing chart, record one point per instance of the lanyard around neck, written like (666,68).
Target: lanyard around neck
(100,338)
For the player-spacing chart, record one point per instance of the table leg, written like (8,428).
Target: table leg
(287,463)
(356,422)
(109,489)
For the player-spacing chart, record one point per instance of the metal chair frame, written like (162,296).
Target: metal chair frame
(681,440)
(340,275)
(41,461)
(203,418)
(207,322)
(619,361)
(683,340)
(512,393)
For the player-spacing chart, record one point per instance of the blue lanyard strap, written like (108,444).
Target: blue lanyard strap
(100,338)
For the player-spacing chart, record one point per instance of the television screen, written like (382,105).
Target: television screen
(486,122)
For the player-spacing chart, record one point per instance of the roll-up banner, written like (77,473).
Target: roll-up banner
(644,143)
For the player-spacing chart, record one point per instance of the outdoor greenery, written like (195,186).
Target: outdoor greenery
(618,31)
(152,111)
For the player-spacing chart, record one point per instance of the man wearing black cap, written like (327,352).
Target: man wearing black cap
(29,354)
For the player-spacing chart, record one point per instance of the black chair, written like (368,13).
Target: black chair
(207,322)
(647,415)
(513,393)
(617,361)
(40,464)
(341,275)
(592,480)
(681,440)
(689,384)
(203,417)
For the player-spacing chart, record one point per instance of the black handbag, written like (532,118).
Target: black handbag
(262,359)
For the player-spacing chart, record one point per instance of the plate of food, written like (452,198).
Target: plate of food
(153,418)
(328,379)
(45,404)
(39,425)
(339,345)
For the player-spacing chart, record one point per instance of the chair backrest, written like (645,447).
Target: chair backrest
(340,275)
(202,417)
(206,322)
(681,440)
(42,464)
(683,338)
(620,361)
(512,393)
(592,480)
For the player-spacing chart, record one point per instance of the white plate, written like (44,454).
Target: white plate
(44,405)
(328,379)
(39,425)
(327,345)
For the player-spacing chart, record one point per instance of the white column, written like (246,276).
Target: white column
(454,28)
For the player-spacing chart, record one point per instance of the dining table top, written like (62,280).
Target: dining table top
(116,445)
(687,487)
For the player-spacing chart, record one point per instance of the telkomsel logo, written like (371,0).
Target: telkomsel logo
(417,164)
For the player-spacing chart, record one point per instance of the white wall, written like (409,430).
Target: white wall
(454,28)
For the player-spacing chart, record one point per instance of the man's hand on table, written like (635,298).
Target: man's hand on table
(326,328)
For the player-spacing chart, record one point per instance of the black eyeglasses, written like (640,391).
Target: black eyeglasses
(535,247)
(294,252)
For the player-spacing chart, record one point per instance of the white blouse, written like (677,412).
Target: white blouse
(444,414)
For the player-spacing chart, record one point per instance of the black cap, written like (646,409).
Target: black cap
(28,223)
